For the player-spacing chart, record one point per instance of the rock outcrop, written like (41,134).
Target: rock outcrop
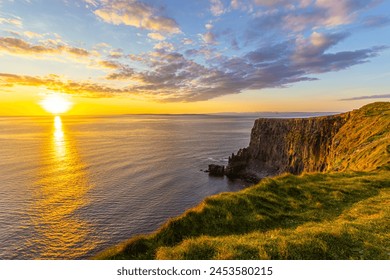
(216,170)
(339,142)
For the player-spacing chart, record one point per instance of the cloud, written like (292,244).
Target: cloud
(173,77)
(15,46)
(30,34)
(11,21)
(306,15)
(217,8)
(209,38)
(378,96)
(269,2)
(109,64)
(269,53)
(164,46)
(278,65)
(204,51)
(341,11)
(125,73)
(93,3)
(102,46)
(187,41)
(137,14)
(311,49)
(116,53)
(208,26)
(55,83)
(310,54)
(235,4)
(156,36)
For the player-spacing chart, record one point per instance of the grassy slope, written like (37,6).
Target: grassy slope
(344,215)
(363,143)
(312,216)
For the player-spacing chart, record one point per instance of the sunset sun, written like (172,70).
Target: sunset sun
(56,104)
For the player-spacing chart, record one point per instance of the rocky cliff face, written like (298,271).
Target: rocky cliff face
(315,144)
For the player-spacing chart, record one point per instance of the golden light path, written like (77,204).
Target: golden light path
(60,192)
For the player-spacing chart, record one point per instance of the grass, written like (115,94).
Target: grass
(312,216)
(363,142)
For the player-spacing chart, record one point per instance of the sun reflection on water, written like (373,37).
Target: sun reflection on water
(59,138)
(61,192)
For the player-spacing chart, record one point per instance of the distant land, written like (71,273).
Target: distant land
(278,114)
(328,199)
(246,114)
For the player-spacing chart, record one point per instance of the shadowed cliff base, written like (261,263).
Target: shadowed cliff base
(328,215)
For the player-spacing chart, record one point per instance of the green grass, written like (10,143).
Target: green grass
(362,143)
(311,216)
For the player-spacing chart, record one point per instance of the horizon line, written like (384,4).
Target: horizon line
(180,114)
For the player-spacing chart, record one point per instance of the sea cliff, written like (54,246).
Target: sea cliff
(356,140)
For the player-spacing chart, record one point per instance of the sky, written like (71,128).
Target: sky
(195,56)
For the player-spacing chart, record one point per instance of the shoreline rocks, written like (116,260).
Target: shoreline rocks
(216,170)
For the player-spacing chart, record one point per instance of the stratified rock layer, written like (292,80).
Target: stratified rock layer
(357,140)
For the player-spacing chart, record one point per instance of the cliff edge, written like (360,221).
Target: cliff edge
(357,140)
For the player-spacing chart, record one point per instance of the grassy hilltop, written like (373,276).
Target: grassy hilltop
(331,215)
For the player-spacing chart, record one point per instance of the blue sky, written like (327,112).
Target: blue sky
(257,54)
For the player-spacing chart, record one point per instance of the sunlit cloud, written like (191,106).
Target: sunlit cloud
(109,64)
(93,3)
(156,36)
(55,83)
(136,14)
(187,41)
(15,46)
(116,53)
(31,34)
(164,46)
(235,4)
(11,21)
(209,38)
(217,8)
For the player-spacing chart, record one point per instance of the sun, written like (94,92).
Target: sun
(56,104)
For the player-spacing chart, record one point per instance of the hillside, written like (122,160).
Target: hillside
(327,215)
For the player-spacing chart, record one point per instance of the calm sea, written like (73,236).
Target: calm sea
(72,186)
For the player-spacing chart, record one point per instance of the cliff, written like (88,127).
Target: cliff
(357,140)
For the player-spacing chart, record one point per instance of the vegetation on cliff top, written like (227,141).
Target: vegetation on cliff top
(363,143)
(334,215)
(312,216)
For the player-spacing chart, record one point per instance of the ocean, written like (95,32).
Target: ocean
(73,186)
